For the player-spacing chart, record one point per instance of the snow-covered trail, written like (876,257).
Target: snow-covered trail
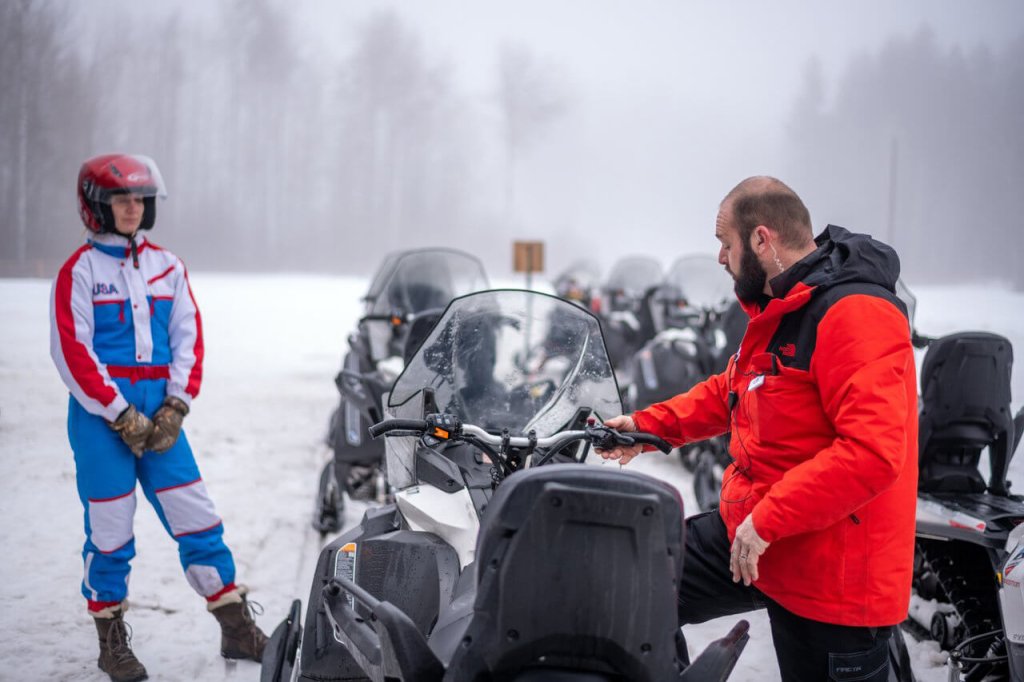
(273,345)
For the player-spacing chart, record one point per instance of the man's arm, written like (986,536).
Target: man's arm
(700,413)
(704,409)
(861,365)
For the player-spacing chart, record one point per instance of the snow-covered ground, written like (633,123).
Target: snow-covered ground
(273,345)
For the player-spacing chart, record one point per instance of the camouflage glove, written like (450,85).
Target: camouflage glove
(167,424)
(134,428)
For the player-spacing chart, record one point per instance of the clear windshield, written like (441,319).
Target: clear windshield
(584,274)
(634,275)
(701,281)
(904,294)
(513,359)
(411,282)
(414,281)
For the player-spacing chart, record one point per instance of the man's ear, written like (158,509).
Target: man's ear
(760,238)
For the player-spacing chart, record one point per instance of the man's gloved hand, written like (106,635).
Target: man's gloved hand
(134,428)
(167,424)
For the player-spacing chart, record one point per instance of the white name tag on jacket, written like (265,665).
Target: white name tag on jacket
(755,382)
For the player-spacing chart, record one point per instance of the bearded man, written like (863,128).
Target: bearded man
(816,517)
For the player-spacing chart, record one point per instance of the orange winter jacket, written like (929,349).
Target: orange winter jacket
(821,403)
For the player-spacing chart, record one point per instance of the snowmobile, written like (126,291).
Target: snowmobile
(967,592)
(405,298)
(503,556)
(578,284)
(625,317)
(700,324)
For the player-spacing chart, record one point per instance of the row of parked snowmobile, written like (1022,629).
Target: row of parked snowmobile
(465,415)
(666,331)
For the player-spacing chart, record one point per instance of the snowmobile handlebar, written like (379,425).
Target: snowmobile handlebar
(448,427)
(388,425)
(920,340)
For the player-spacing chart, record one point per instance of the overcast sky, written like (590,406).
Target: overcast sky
(670,103)
(673,102)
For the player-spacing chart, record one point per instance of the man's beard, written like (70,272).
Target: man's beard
(751,278)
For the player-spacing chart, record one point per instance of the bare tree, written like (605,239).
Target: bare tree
(400,138)
(43,113)
(530,98)
(922,146)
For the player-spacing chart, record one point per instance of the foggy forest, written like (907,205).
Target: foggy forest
(282,157)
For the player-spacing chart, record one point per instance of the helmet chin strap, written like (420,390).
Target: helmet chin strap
(135,250)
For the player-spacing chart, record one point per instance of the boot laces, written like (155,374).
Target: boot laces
(119,639)
(251,610)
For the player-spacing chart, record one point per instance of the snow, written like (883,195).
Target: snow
(273,345)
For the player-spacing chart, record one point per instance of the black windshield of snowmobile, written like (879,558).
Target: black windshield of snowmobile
(513,359)
(423,279)
(634,275)
(701,281)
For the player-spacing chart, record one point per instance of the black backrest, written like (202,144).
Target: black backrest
(965,407)
(578,567)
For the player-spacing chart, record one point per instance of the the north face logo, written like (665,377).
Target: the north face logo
(789,350)
(103,288)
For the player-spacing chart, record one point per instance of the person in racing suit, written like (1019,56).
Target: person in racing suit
(127,339)
(816,516)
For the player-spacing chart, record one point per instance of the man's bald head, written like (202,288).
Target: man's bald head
(764,200)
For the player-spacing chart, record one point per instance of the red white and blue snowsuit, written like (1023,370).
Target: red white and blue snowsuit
(129,333)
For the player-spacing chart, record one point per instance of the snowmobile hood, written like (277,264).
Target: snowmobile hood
(842,256)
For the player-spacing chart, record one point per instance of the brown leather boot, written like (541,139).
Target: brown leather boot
(116,656)
(240,636)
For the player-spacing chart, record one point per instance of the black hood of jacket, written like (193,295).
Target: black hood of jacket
(842,257)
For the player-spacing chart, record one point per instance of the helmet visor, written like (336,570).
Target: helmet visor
(124,174)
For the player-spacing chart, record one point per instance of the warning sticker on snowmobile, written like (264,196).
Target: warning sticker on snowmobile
(345,565)
(1013,563)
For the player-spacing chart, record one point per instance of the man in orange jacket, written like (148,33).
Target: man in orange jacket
(816,519)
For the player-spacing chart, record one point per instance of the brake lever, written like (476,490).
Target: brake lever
(606,438)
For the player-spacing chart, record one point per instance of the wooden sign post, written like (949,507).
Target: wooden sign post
(528,257)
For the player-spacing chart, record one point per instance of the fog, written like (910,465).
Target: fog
(317,136)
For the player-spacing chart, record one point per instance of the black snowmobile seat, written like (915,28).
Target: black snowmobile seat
(965,393)
(578,567)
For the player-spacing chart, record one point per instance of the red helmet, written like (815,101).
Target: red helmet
(104,176)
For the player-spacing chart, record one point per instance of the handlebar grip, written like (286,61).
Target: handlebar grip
(650,439)
(920,340)
(379,429)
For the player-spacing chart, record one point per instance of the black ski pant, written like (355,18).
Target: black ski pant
(807,650)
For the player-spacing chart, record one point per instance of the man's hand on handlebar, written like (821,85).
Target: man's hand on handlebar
(616,439)
(624,453)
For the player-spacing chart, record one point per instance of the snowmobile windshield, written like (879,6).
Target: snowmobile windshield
(411,282)
(583,274)
(907,296)
(701,281)
(513,359)
(633,276)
